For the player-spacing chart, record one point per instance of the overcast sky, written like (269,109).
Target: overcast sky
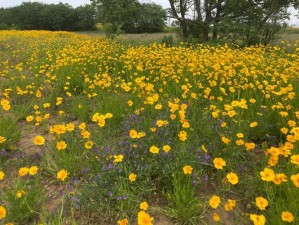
(165,4)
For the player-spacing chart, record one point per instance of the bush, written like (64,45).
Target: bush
(167,40)
(4,26)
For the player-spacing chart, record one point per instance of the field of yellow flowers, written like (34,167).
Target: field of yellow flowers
(97,132)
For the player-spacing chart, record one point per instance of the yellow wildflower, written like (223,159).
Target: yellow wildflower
(2,212)
(143,206)
(287,217)
(39,140)
(23,171)
(214,201)
(62,174)
(219,163)
(261,203)
(33,170)
(144,218)
(154,149)
(132,177)
(232,178)
(187,169)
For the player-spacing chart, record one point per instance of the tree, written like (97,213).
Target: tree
(5,19)
(254,21)
(26,16)
(148,18)
(179,10)
(85,18)
(246,19)
(130,16)
(115,12)
(57,17)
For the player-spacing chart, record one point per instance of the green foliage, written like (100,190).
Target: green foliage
(241,22)
(80,109)
(25,199)
(183,204)
(167,40)
(39,16)
(130,16)
(57,17)
(252,23)
(9,130)
(115,13)
(56,219)
(112,30)
(4,26)
(85,18)
(148,18)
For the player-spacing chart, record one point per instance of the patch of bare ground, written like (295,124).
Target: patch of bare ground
(233,217)
(226,218)
(53,197)
(90,218)
(161,219)
(10,177)
(27,148)
(26,144)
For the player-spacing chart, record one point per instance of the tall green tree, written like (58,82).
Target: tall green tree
(5,19)
(130,16)
(85,18)
(57,17)
(27,15)
(148,18)
(116,12)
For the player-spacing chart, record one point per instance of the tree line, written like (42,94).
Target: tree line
(245,22)
(54,17)
(117,17)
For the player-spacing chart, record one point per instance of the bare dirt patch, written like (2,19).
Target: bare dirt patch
(26,144)
(54,197)
(162,220)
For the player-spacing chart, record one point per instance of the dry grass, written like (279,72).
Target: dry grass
(144,38)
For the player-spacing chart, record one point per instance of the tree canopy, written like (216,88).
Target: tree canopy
(130,16)
(39,16)
(250,22)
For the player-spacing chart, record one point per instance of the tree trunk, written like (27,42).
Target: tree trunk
(216,20)
(207,22)
(214,35)
(184,28)
(181,19)
(205,32)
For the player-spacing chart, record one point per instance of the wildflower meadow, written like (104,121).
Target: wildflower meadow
(95,131)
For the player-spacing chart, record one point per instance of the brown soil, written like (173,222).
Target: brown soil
(25,143)
(162,220)
(54,199)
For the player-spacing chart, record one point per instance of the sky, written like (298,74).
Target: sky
(75,3)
